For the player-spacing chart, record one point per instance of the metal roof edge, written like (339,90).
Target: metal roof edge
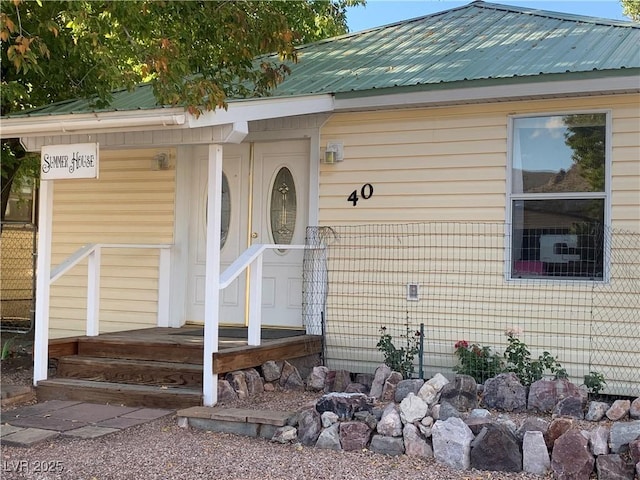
(483,91)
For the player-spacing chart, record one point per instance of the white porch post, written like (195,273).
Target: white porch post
(255,302)
(93,292)
(212,275)
(43,282)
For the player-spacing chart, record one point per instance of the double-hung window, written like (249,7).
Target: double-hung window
(559,179)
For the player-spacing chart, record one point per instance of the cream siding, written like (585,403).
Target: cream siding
(449,164)
(129,204)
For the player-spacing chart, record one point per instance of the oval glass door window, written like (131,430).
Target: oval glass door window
(283,207)
(225,217)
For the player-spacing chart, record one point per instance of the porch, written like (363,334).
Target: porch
(160,367)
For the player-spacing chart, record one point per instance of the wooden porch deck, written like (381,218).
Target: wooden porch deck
(159,367)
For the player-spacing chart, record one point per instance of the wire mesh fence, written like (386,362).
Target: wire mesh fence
(17,276)
(466,289)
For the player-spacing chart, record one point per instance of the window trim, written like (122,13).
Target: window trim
(606,195)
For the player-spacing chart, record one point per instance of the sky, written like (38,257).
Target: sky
(383,12)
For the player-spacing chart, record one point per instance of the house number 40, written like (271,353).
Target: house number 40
(365,193)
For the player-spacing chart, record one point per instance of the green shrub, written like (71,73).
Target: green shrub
(477,361)
(399,359)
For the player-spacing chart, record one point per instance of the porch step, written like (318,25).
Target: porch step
(137,372)
(118,393)
(128,347)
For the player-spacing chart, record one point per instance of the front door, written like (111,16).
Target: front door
(264,201)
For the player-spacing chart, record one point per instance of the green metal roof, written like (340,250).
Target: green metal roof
(481,41)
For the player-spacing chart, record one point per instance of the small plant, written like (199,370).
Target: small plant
(6,348)
(594,381)
(399,359)
(518,360)
(479,362)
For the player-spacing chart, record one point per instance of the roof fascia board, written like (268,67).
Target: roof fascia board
(92,123)
(263,109)
(351,101)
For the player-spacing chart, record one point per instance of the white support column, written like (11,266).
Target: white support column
(212,275)
(93,292)
(164,287)
(43,282)
(255,302)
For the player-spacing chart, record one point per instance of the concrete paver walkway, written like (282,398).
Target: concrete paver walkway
(34,423)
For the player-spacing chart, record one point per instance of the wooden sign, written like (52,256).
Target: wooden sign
(79,160)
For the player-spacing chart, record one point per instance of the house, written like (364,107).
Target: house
(525,119)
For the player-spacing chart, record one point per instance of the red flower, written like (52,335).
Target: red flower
(461,344)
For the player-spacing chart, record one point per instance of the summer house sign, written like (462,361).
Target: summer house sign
(79,160)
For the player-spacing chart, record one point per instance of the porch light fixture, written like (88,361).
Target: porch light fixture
(334,152)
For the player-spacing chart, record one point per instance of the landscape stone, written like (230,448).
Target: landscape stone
(290,378)
(271,371)
(328,419)
(366,417)
(532,424)
(387,445)
(496,448)
(634,409)
(413,408)
(462,393)
(545,394)
(569,407)
(226,392)
(437,382)
(286,434)
(354,435)
(435,411)
(428,394)
(622,434)
(571,459)
(479,413)
(317,378)
(238,382)
(452,443)
(390,424)
(476,424)
(634,450)
(415,444)
(255,383)
(343,404)
(379,379)
(365,379)
(330,438)
(557,428)
(535,456)
(598,440)
(597,411)
(425,426)
(614,467)
(505,392)
(447,411)
(309,426)
(342,380)
(389,389)
(405,387)
(619,410)
(356,388)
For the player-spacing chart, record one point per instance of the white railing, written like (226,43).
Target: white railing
(252,259)
(93,253)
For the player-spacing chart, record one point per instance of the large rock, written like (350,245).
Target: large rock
(379,379)
(255,383)
(599,440)
(545,394)
(496,448)
(569,407)
(271,371)
(447,410)
(387,445)
(430,391)
(343,404)
(596,411)
(330,438)
(290,378)
(634,409)
(328,419)
(557,428)
(226,393)
(462,393)
(622,434)
(341,380)
(619,410)
(535,456)
(505,392)
(415,444)
(309,426)
(405,387)
(286,434)
(317,378)
(532,424)
(390,424)
(354,435)
(239,383)
(571,459)
(614,467)
(452,443)
(390,386)
(634,450)
(413,409)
